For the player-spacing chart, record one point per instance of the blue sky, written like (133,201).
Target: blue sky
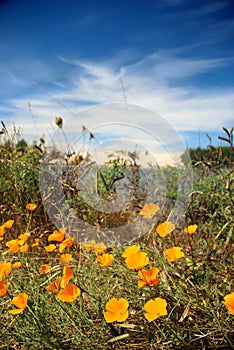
(174,57)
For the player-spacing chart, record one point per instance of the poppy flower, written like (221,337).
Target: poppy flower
(5,269)
(23,248)
(149,277)
(229,302)
(8,224)
(137,261)
(31,206)
(174,253)
(2,231)
(165,228)
(13,246)
(3,288)
(105,259)
(20,302)
(69,294)
(67,243)
(16,265)
(117,310)
(50,248)
(44,268)
(57,235)
(54,286)
(35,243)
(191,229)
(98,248)
(131,250)
(66,258)
(155,309)
(23,238)
(149,210)
(67,275)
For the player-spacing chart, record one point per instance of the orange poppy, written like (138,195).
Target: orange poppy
(137,260)
(44,268)
(149,210)
(174,253)
(69,294)
(57,235)
(165,228)
(155,309)
(20,302)
(50,248)
(36,243)
(31,206)
(16,265)
(23,248)
(105,259)
(54,286)
(2,231)
(66,258)
(67,275)
(98,248)
(67,243)
(191,229)
(3,288)
(13,245)
(229,302)
(149,277)
(117,310)
(131,250)
(5,269)
(8,224)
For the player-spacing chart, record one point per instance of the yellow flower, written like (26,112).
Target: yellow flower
(117,310)
(3,288)
(137,261)
(174,253)
(13,245)
(50,248)
(165,228)
(54,286)
(23,238)
(131,250)
(67,243)
(155,309)
(67,275)
(20,302)
(229,302)
(57,235)
(5,269)
(16,265)
(23,248)
(31,206)
(149,210)
(190,229)
(69,294)
(36,243)
(8,224)
(149,277)
(66,258)
(105,259)
(44,268)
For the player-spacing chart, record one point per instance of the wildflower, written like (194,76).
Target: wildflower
(36,243)
(23,238)
(16,265)
(131,250)
(54,286)
(69,294)
(165,228)
(137,260)
(44,268)
(149,210)
(67,243)
(23,248)
(66,258)
(149,277)
(67,275)
(190,229)
(20,302)
(57,235)
(98,248)
(1,232)
(8,224)
(31,206)
(155,308)
(50,248)
(3,288)
(105,259)
(5,269)
(229,302)
(174,253)
(13,246)
(117,310)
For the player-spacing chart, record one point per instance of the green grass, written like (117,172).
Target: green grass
(193,286)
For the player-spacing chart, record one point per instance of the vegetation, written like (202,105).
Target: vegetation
(170,289)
